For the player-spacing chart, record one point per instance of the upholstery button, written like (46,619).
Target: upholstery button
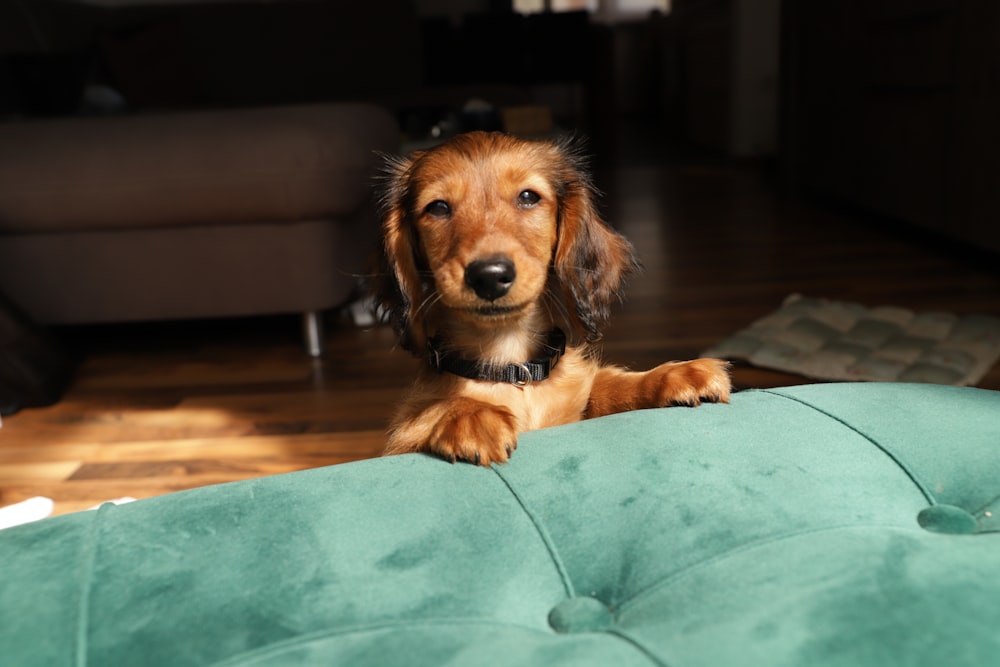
(947,519)
(580,614)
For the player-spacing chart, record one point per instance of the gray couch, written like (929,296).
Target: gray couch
(189,215)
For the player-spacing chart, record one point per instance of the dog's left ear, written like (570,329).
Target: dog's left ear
(591,261)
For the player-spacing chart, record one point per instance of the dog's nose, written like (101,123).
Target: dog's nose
(490,278)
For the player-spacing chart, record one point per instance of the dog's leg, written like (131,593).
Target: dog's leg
(457,428)
(676,383)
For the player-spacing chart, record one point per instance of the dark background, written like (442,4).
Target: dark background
(887,105)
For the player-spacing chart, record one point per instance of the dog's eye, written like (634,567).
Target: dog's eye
(438,209)
(528,199)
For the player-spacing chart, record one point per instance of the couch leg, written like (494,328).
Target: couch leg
(312,327)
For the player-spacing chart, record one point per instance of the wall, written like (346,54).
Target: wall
(756,35)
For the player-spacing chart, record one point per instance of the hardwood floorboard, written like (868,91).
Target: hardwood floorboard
(157,408)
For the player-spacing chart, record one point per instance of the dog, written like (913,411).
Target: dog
(498,273)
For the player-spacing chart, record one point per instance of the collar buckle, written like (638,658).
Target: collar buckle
(522,378)
(434,356)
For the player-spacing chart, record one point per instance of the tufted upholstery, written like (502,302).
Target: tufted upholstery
(818,525)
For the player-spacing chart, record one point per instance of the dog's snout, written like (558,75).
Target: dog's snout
(490,278)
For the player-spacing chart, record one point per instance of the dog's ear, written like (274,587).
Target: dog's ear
(398,291)
(591,261)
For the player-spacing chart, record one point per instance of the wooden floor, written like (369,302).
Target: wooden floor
(160,408)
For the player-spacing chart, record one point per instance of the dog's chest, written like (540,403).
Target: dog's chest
(560,399)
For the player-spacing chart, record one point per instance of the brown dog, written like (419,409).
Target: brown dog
(493,255)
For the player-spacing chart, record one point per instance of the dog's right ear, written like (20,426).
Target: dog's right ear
(398,290)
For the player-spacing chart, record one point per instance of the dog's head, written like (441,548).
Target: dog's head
(488,228)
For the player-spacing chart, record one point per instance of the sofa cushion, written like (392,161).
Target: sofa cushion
(191,168)
(818,525)
(162,273)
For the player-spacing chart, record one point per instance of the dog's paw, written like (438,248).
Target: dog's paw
(474,431)
(690,383)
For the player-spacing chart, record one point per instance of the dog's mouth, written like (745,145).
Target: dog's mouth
(491,310)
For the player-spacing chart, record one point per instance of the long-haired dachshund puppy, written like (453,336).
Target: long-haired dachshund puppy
(498,271)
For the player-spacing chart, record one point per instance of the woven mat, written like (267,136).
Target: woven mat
(834,340)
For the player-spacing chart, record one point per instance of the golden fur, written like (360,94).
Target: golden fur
(484,196)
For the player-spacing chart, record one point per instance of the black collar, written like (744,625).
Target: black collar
(519,375)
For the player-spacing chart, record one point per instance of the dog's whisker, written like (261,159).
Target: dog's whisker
(555,309)
(429,301)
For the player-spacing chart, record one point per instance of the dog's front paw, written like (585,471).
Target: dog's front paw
(474,431)
(690,383)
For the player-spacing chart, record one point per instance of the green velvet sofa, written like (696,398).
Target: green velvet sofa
(839,524)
